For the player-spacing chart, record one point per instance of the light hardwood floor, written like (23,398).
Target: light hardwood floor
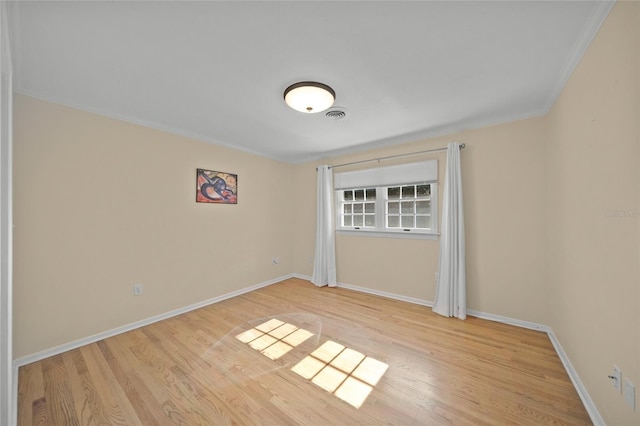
(203,368)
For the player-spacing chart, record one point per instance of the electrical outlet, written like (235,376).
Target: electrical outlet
(137,289)
(616,378)
(630,394)
(309,259)
(275,260)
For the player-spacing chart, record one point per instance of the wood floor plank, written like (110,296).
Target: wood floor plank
(194,369)
(87,401)
(115,406)
(135,389)
(32,406)
(60,402)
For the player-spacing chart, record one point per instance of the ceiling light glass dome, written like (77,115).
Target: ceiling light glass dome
(309,96)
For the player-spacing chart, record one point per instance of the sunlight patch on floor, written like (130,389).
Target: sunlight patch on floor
(344,372)
(274,338)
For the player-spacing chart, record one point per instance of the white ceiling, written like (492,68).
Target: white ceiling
(217,71)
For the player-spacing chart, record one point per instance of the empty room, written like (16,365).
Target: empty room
(319,213)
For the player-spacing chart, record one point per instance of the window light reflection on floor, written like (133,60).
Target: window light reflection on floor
(274,338)
(348,374)
(344,372)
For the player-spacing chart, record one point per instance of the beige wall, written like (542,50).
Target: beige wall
(100,204)
(503,182)
(543,197)
(592,205)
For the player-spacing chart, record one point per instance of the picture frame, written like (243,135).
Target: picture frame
(216,187)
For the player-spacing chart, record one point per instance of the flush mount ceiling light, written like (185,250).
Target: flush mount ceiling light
(309,96)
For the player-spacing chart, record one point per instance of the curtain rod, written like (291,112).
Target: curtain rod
(389,157)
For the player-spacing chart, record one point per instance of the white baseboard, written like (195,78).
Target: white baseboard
(388,295)
(28,359)
(595,416)
(394,296)
(14,395)
(593,412)
(509,321)
(302,277)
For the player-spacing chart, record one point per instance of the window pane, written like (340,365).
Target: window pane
(371,194)
(408,191)
(424,190)
(407,207)
(423,207)
(423,222)
(407,221)
(393,193)
(369,220)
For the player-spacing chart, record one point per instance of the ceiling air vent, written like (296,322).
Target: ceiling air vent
(335,114)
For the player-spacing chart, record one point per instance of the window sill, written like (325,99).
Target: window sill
(381,234)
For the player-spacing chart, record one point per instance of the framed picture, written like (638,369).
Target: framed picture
(216,187)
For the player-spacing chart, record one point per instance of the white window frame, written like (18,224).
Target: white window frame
(425,172)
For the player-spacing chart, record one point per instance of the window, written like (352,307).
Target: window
(409,206)
(359,207)
(398,200)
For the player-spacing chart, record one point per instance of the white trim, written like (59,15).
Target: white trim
(63,101)
(28,359)
(393,296)
(509,321)
(381,293)
(412,235)
(445,130)
(593,412)
(8,380)
(14,394)
(381,230)
(7,402)
(582,43)
(400,174)
(595,416)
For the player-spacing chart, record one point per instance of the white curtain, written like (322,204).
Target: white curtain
(324,267)
(451,290)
